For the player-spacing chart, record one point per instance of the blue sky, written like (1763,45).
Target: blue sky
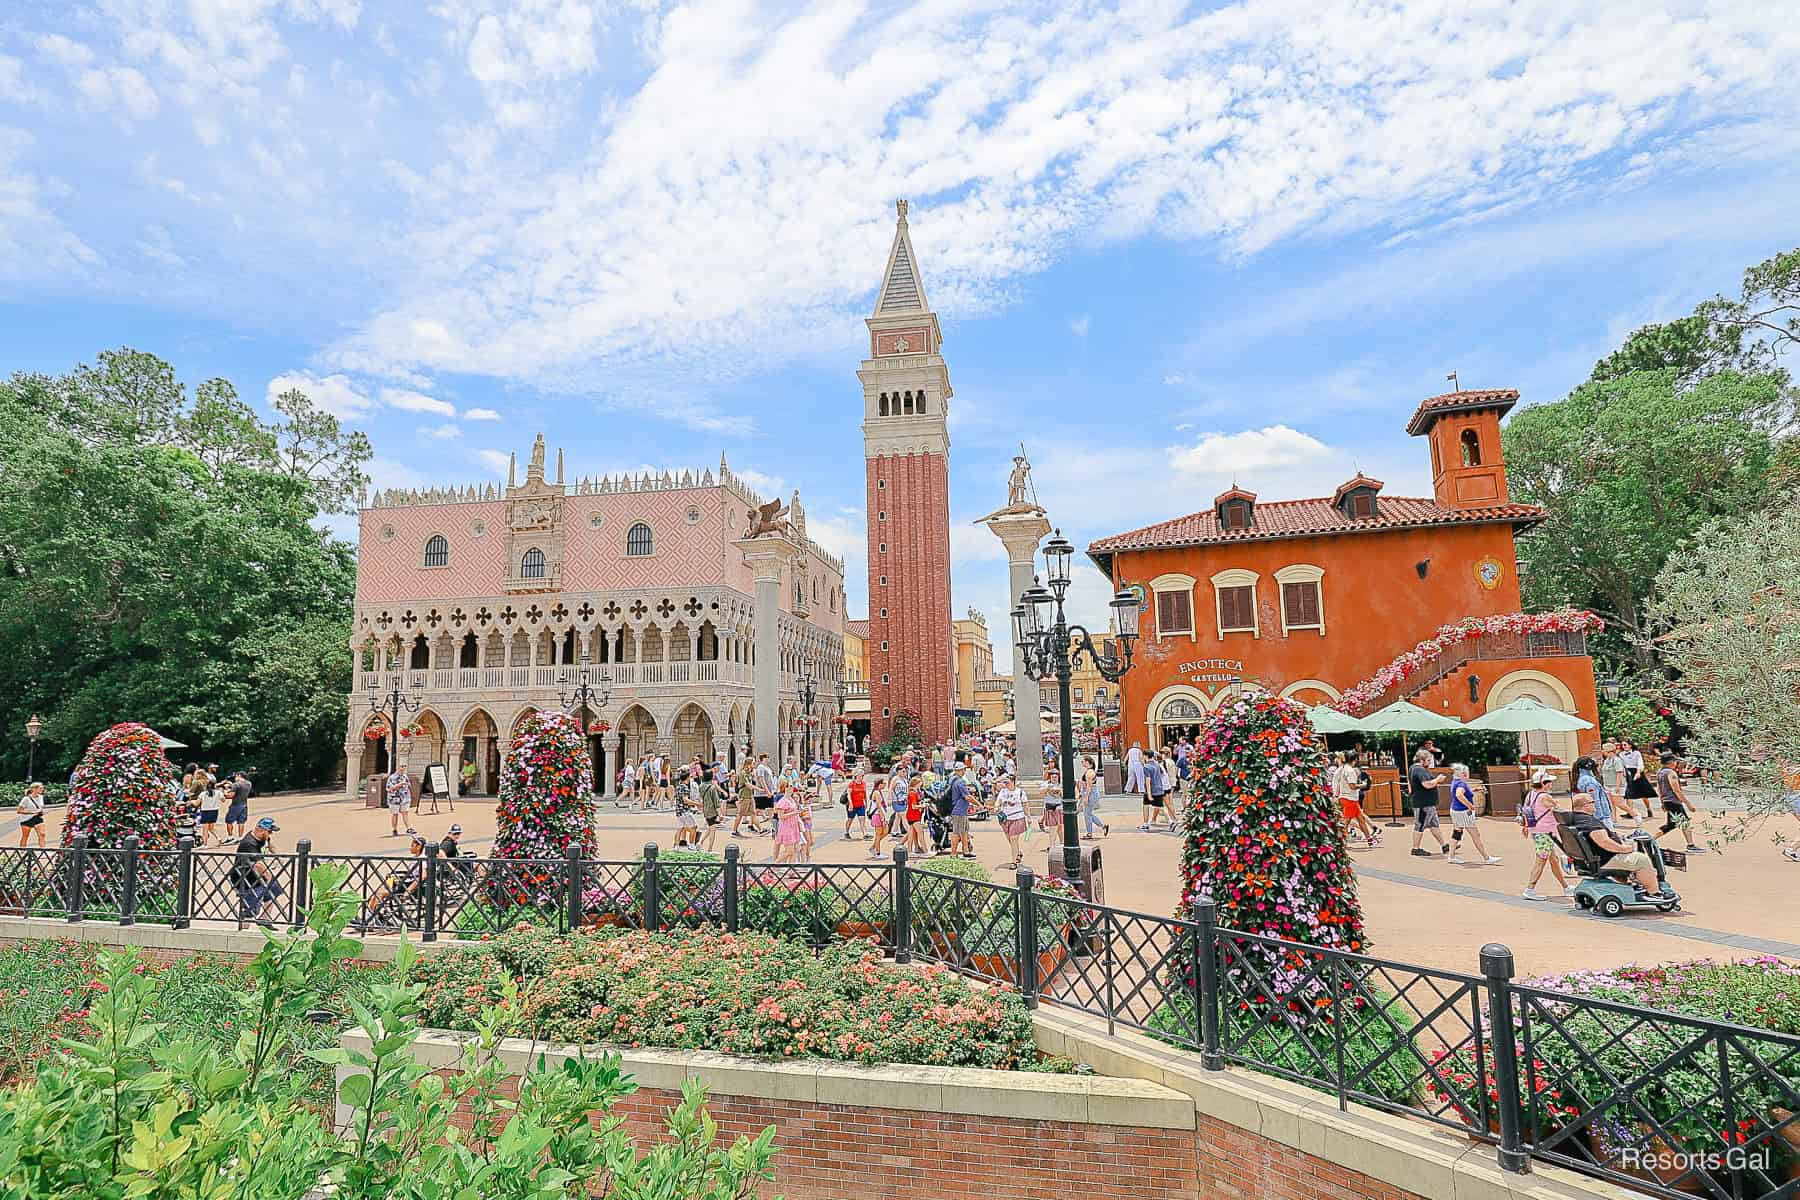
(1169,245)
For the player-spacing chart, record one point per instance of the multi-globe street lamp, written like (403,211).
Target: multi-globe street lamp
(584,696)
(808,694)
(33,728)
(393,704)
(1052,647)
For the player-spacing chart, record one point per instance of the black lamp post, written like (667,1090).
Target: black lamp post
(1052,647)
(842,725)
(808,694)
(33,728)
(394,703)
(583,697)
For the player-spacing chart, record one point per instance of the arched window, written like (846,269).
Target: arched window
(908,402)
(437,551)
(884,411)
(1471,448)
(920,404)
(638,541)
(532,565)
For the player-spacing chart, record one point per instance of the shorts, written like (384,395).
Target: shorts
(210,818)
(857,810)
(1544,844)
(1352,808)
(239,814)
(1425,817)
(687,821)
(253,897)
(32,822)
(959,825)
(1014,827)
(764,803)
(1637,860)
(712,821)
(1154,801)
(1463,818)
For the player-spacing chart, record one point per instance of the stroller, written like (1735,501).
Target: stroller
(1608,891)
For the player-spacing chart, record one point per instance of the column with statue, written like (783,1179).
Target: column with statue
(1020,526)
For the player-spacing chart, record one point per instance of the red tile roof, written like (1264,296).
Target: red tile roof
(1431,409)
(1307,518)
(859,628)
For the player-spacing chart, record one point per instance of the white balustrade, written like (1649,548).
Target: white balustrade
(493,677)
(443,680)
(468,677)
(624,673)
(652,672)
(709,671)
(680,672)
(518,677)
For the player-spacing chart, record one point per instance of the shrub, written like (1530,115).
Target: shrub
(746,993)
(692,887)
(545,805)
(948,895)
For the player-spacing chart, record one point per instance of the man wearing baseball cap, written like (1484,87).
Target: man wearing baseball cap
(256,885)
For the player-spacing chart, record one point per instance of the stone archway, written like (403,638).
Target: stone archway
(1549,691)
(426,746)
(1175,711)
(692,735)
(375,747)
(637,733)
(481,745)
(1310,692)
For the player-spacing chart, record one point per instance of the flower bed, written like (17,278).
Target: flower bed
(48,986)
(746,993)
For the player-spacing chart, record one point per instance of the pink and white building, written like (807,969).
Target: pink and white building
(485,601)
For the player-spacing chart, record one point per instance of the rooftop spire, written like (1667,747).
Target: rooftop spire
(901,288)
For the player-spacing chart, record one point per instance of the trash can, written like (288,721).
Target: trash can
(1092,883)
(1114,773)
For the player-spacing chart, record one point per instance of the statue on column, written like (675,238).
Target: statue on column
(1021,495)
(768,518)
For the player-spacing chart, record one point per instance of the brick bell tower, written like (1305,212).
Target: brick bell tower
(906,449)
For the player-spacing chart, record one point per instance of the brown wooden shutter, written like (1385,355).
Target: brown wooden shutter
(1236,609)
(1172,613)
(1300,602)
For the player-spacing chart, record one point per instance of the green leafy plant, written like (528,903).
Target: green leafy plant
(1634,718)
(133,1107)
(947,896)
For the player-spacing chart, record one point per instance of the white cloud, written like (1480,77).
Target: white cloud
(442,433)
(1275,448)
(64,51)
(333,393)
(119,89)
(496,461)
(971,543)
(1177,379)
(390,473)
(480,414)
(417,402)
(1079,325)
(768,485)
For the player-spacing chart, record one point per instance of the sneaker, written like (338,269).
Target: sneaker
(1698,850)
(1791,854)
(1493,860)
(1531,894)
(1458,860)
(1421,854)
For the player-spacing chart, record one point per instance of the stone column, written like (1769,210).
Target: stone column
(617,763)
(353,757)
(453,765)
(766,556)
(1020,533)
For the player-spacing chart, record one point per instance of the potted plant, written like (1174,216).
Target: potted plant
(993,946)
(948,896)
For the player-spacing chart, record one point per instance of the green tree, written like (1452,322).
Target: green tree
(1629,467)
(160,561)
(1633,718)
(1726,617)
(1748,335)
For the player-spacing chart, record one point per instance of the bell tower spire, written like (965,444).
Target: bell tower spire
(906,450)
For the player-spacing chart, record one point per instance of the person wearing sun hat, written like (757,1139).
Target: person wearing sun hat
(256,885)
(1537,821)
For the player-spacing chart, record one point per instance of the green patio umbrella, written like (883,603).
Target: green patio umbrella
(1403,718)
(1526,715)
(1327,719)
(170,743)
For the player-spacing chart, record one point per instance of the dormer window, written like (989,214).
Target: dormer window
(1235,509)
(1356,498)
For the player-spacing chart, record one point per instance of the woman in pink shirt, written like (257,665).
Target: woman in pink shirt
(1537,818)
(787,826)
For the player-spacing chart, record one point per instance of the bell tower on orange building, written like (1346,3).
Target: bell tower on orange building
(1467,467)
(906,451)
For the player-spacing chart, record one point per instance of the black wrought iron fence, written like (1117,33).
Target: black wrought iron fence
(1670,1104)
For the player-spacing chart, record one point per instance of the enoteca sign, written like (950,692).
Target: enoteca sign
(1213,670)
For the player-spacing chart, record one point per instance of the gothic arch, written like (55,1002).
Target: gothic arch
(691,733)
(637,731)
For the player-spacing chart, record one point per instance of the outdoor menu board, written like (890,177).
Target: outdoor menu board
(437,779)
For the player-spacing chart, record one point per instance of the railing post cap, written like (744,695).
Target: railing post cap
(651,849)
(1025,876)
(900,854)
(733,853)
(1496,961)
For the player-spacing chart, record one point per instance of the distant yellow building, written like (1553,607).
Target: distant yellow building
(856,679)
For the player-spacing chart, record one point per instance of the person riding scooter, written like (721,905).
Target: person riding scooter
(1623,856)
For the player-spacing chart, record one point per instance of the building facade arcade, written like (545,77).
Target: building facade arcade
(483,602)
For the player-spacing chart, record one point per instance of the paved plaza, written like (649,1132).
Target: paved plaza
(1745,900)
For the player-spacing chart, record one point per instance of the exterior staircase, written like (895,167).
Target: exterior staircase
(1431,684)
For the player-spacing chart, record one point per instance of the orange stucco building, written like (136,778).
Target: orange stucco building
(1312,598)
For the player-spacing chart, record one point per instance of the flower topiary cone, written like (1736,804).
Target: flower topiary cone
(546,798)
(1265,843)
(123,785)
